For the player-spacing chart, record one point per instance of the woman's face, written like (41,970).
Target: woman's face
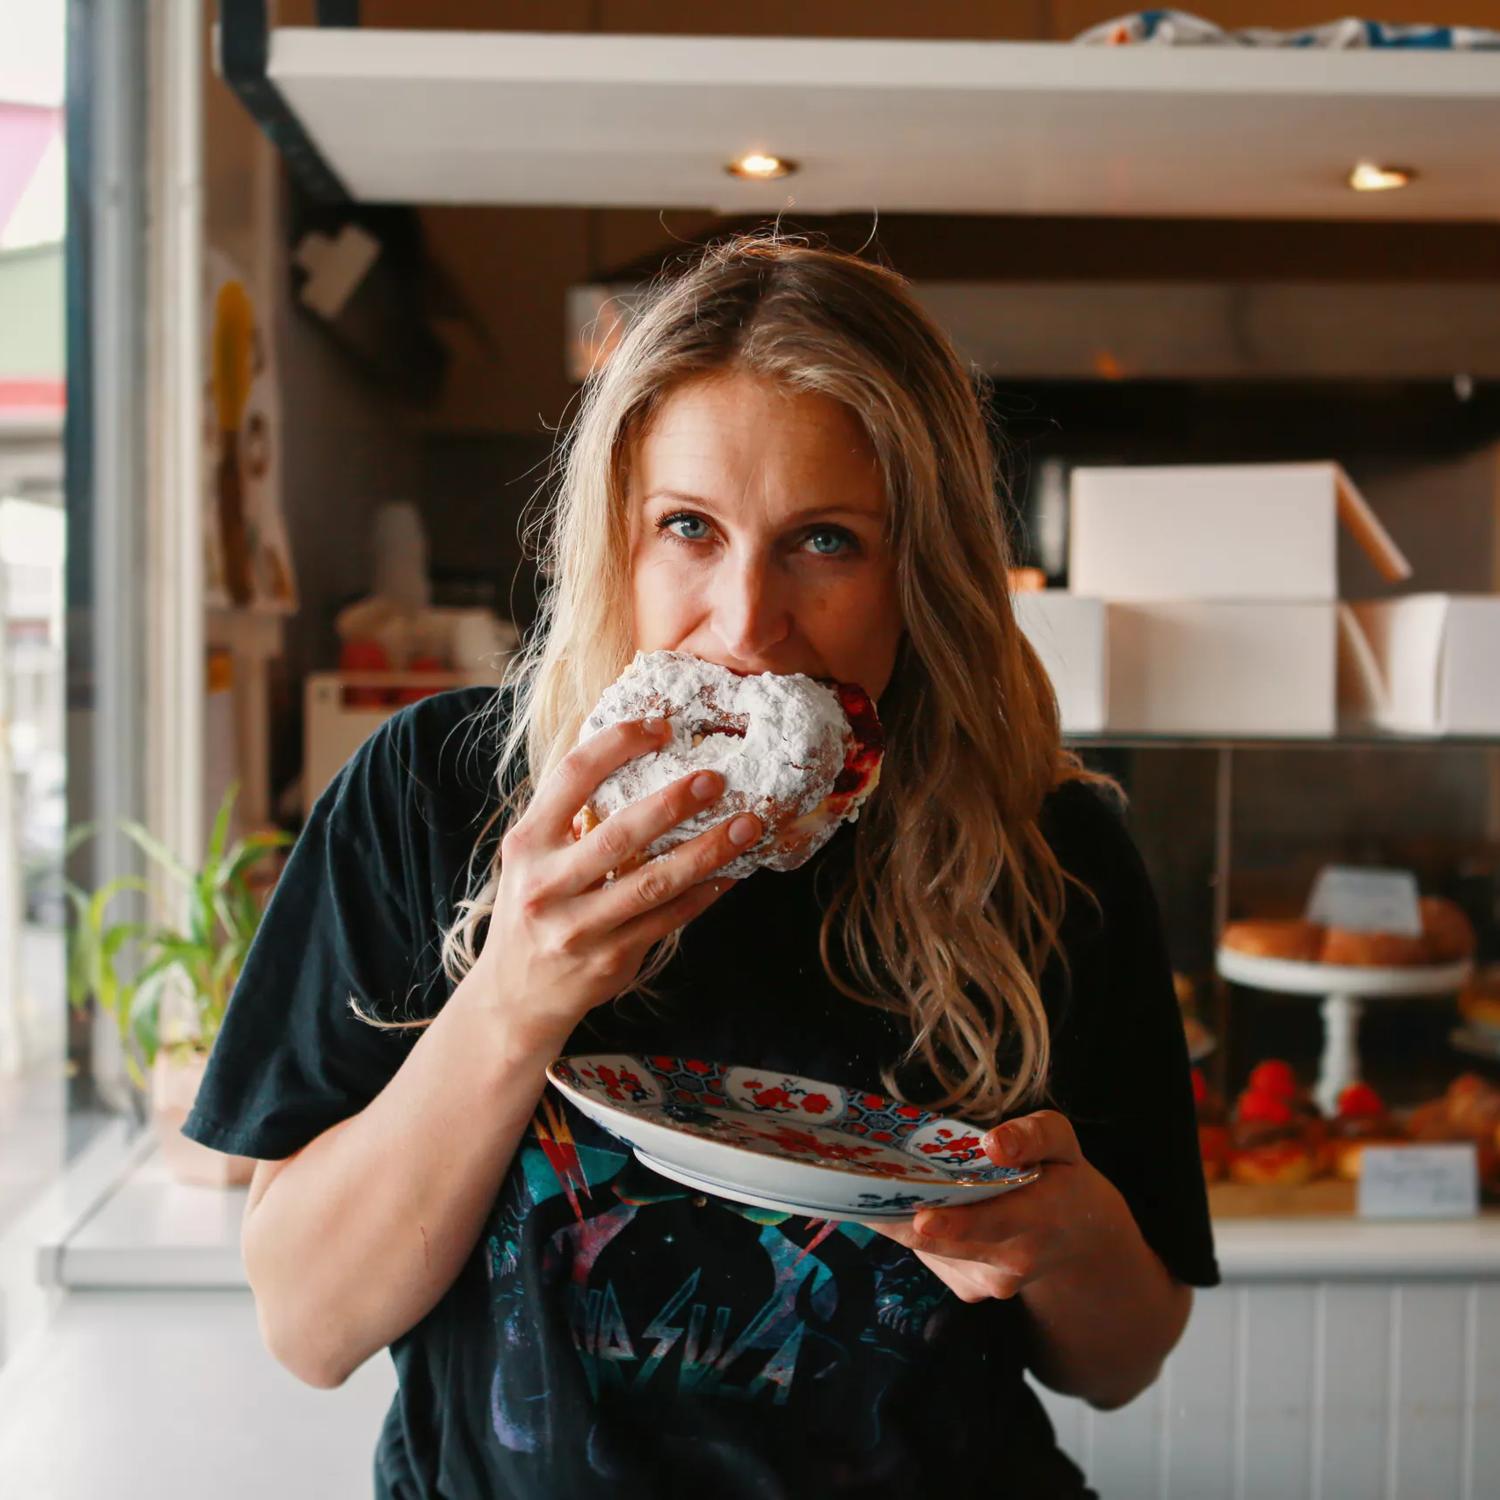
(757,535)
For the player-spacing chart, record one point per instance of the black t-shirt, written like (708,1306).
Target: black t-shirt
(638,1338)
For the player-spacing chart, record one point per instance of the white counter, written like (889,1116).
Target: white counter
(1339,1358)
(148,1230)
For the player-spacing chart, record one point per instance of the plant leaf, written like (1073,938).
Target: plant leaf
(228,959)
(221,825)
(159,852)
(251,852)
(76,836)
(117,936)
(145,1015)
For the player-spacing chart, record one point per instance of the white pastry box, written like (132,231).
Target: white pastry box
(1216,667)
(1218,531)
(1425,664)
(1069,633)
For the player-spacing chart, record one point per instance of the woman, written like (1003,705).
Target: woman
(783,467)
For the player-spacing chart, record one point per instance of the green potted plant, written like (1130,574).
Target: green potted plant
(136,969)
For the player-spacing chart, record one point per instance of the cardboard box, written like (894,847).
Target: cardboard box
(1224,668)
(1068,633)
(1425,664)
(1219,531)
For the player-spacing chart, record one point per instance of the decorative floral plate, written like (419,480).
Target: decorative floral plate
(790,1144)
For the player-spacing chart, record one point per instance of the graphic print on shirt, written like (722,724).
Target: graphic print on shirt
(675,1300)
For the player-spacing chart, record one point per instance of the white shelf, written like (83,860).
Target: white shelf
(145,1230)
(905,126)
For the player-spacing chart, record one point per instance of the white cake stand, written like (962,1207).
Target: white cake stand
(1345,989)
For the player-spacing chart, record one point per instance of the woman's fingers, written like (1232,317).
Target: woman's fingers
(1030,1140)
(663,880)
(619,838)
(581,770)
(655,925)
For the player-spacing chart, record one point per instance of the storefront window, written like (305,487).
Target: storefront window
(33,529)
(72,234)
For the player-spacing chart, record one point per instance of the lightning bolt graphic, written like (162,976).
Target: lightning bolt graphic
(555,1136)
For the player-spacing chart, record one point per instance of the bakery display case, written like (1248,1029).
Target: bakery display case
(1304,1035)
(1371,746)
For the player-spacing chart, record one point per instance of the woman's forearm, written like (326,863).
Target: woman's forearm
(1102,1328)
(358,1235)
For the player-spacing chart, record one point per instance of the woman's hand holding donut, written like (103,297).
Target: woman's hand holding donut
(561,941)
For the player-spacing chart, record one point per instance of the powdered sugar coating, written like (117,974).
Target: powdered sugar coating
(786,741)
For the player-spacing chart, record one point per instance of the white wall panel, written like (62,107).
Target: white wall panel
(1330,1390)
(1430,1381)
(1482,1410)
(1274,1438)
(1199,1441)
(1126,1453)
(1352,1376)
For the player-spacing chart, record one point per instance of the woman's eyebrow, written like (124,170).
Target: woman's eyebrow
(679,497)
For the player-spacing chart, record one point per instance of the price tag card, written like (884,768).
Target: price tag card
(1366,900)
(1418,1182)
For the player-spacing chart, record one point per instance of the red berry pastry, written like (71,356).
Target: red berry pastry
(1269,1141)
(1362,1120)
(1275,1077)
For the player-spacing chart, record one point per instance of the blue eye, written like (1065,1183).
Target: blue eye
(829,541)
(670,523)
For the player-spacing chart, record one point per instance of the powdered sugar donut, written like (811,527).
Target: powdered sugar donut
(800,754)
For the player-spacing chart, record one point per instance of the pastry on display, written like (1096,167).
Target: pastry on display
(1275,937)
(802,755)
(1362,1120)
(1469,1110)
(1447,931)
(1479,999)
(1373,950)
(1272,1139)
(1213,1130)
(1277,1078)
(1447,936)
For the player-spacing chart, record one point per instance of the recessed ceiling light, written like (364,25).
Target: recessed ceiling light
(1370,177)
(760,166)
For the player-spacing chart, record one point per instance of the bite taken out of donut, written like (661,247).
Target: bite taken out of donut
(800,754)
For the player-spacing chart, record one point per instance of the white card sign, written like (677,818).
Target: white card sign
(1366,900)
(1418,1182)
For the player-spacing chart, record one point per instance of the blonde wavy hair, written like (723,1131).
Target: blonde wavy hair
(955,899)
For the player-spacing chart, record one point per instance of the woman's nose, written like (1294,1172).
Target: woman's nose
(751,612)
